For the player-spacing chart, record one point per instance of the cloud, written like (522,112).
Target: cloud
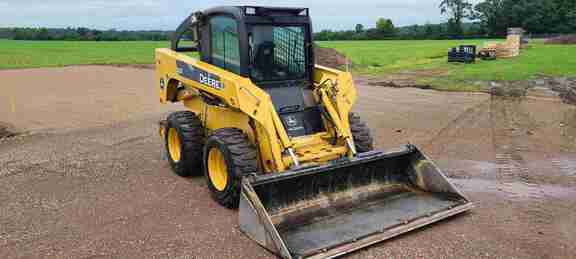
(167,14)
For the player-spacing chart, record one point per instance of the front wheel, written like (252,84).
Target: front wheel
(363,140)
(183,138)
(228,156)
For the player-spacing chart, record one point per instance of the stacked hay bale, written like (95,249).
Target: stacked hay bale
(510,48)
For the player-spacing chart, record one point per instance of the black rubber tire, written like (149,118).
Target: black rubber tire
(363,140)
(191,134)
(240,156)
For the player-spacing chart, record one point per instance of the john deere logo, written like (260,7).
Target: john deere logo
(208,80)
(291,121)
(199,75)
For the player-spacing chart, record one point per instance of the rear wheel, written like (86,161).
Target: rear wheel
(183,138)
(363,140)
(228,156)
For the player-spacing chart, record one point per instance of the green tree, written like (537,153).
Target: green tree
(457,11)
(43,34)
(491,16)
(536,16)
(415,29)
(359,28)
(385,26)
(571,17)
(428,30)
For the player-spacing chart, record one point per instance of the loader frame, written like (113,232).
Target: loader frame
(213,92)
(241,104)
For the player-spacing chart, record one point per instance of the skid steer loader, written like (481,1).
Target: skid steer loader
(274,135)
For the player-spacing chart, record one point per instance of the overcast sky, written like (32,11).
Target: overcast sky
(167,14)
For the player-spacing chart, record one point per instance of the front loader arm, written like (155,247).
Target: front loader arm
(337,93)
(175,71)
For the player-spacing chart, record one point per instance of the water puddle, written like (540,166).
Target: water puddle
(482,167)
(568,130)
(516,190)
(566,166)
(6,131)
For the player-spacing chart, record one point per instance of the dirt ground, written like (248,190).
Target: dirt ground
(330,57)
(76,97)
(88,180)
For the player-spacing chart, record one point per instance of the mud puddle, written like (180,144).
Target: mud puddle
(400,83)
(562,88)
(515,190)
(566,165)
(463,169)
(405,79)
(522,149)
(6,131)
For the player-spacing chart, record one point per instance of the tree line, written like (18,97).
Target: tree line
(489,18)
(82,34)
(535,16)
(413,32)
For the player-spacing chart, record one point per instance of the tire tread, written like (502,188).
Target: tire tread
(244,158)
(363,140)
(191,133)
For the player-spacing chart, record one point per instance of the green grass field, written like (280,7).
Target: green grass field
(390,56)
(370,57)
(30,54)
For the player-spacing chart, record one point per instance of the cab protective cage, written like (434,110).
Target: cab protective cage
(193,29)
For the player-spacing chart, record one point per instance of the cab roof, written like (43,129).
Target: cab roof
(241,11)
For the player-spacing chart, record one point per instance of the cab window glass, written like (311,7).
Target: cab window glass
(225,43)
(277,53)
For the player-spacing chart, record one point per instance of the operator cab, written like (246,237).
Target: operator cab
(271,46)
(277,53)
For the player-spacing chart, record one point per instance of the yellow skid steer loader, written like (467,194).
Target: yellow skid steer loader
(274,135)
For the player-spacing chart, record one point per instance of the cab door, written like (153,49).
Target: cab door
(224,43)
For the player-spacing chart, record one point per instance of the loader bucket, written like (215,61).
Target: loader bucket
(331,210)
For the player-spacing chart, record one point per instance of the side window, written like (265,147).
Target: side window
(225,43)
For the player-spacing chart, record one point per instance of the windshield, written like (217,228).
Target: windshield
(277,53)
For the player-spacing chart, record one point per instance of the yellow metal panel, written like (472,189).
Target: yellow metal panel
(318,154)
(195,105)
(340,85)
(267,146)
(242,101)
(238,93)
(311,140)
(221,117)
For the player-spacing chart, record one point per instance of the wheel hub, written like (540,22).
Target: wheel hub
(174,145)
(217,170)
